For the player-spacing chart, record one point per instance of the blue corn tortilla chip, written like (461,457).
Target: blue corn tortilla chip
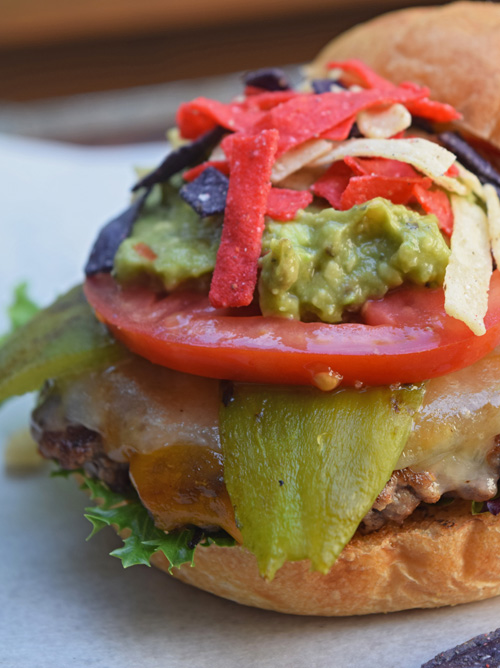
(267,78)
(185,156)
(481,651)
(325,85)
(493,506)
(355,132)
(470,158)
(103,252)
(422,124)
(207,193)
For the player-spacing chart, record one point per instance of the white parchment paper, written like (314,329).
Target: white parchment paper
(64,602)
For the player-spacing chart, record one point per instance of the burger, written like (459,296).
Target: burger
(280,380)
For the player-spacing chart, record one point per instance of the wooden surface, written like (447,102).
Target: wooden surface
(62,47)
(25,22)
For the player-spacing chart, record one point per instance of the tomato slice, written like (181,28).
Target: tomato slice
(405,337)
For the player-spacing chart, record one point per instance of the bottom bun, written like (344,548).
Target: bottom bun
(440,556)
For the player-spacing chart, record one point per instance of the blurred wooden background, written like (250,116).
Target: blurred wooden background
(62,47)
(55,49)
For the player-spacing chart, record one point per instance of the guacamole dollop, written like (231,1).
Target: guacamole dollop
(315,267)
(321,264)
(169,245)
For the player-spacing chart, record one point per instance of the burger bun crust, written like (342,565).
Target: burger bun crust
(440,556)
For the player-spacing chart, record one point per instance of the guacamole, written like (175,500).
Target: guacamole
(313,268)
(169,244)
(321,264)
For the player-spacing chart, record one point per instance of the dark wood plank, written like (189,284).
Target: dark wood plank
(105,64)
(31,22)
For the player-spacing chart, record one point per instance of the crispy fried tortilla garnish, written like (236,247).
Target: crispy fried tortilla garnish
(470,266)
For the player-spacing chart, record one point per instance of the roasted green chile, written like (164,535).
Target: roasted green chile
(63,339)
(303,467)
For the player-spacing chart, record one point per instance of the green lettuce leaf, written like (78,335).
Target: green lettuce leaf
(21,310)
(126,513)
(477,507)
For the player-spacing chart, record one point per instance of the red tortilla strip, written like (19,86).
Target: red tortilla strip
(433,111)
(235,274)
(192,174)
(363,74)
(377,177)
(297,117)
(452,171)
(380,167)
(307,116)
(202,114)
(267,100)
(332,184)
(436,202)
(283,204)
(341,131)
(363,188)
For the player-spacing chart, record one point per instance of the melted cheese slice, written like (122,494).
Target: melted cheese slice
(139,408)
(456,429)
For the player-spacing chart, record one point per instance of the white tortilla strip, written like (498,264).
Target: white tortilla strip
(303,179)
(297,157)
(336,73)
(470,181)
(469,270)
(493,209)
(426,156)
(383,122)
(218,153)
(451,184)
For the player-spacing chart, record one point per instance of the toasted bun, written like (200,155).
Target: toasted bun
(453,49)
(440,556)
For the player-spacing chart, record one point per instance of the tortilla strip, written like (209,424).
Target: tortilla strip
(382,123)
(470,180)
(426,156)
(470,266)
(297,157)
(493,209)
